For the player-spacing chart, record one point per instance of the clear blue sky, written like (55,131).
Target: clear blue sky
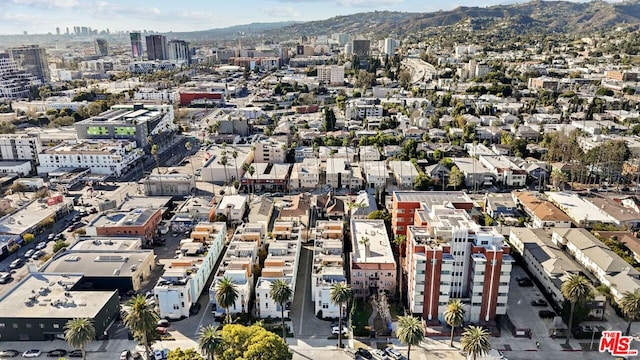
(43,16)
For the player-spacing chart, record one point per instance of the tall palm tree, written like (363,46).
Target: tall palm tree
(209,339)
(141,320)
(189,146)
(281,293)
(224,161)
(154,152)
(400,240)
(576,289)
(364,241)
(252,171)
(234,155)
(630,306)
(226,295)
(78,333)
(410,331)
(454,316)
(340,294)
(475,341)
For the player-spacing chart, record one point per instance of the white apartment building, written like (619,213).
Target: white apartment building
(305,175)
(505,171)
(404,172)
(336,152)
(20,147)
(159,96)
(369,153)
(328,266)
(232,207)
(270,151)
(376,174)
(282,262)
(340,174)
(390,46)
(182,283)
(373,267)
(331,74)
(107,157)
(359,110)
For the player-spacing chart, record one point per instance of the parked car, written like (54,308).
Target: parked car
(75,353)
(57,353)
(5,278)
(393,353)
(9,353)
(194,309)
(538,302)
(125,355)
(163,323)
(161,330)
(31,353)
(364,353)
(335,330)
(380,354)
(41,245)
(93,211)
(525,283)
(29,253)
(16,264)
(37,255)
(136,356)
(546,314)
(51,236)
(160,354)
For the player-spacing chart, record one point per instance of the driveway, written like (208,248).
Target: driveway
(305,322)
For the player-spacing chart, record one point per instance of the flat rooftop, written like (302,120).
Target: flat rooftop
(577,208)
(139,202)
(42,295)
(28,216)
(123,116)
(374,233)
(98,263)
(432,197)
(91,147)
(135,217)
(107,243)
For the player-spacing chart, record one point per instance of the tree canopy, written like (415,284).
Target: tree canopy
(253,342)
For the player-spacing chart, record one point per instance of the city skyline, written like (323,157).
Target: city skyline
(44,16)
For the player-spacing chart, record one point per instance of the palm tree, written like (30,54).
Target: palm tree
(340,294)
(400,240)
(226,295)
(364,241)
(78,333)
(214,127)
(141,320)
(410,331)
(189,146)
(208,340)
(252,171)
(281,293)
(224,161)
(576,289)
(154,152)
(558,178)
(605,291)
(630,306)
(475,341)
(234,155)
(454,316)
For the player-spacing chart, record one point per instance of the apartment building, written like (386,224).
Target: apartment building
(372,265)
(375,173)
(305,174)
(107,157)
(20,147)
(270,151)
(405,203)
(180,286)
(331,74)
(357,109)
(328,266)
(452,257)
(404,173)
(341,174)
(233,207)
(505,171)
(238,266)
(541,212)
(282,263)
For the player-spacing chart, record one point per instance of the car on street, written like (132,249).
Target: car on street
(16,264)
(538,302)
(194,309)
(364,353)
(125,355)
(57,353)
(393,353)
(51,236)
(29,253)
(136,356)
(160,354)
(31,353)
(161,330)
(75,353)
(525,283)
(163,323)
(37,255)
(546,314)
(5,278)
(9,353)
(41,245)
(336,329)
(380,354)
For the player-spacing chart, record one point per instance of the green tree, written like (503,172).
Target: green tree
(226,295)
(475,341)
(340,294)
(404,78)
(59,244)
(456,177)
(209,339)
(576,289)
(329,120)
(141,320)
(401,241)
(630,306)
(78,333)
(410,332)
(186,354)
(281,293)
(422,182)
(154,152)
(251,343)
(28,237)
(454,316)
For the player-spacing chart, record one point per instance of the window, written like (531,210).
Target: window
(266,305)
(501,304)
(325,306)
(28,325)
(176,307)
(476,304)
(15,326)
(2,325)
(41,326)
(56,326)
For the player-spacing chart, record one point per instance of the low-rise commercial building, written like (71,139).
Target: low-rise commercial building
(168,184)
(140,222)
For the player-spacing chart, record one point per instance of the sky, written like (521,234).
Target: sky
(43,16)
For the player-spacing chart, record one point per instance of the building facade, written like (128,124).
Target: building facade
(373,267)
(33,59)
(157,47)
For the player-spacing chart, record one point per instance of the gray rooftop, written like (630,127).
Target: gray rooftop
(98,263)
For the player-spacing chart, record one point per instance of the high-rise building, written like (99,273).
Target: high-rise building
(102,47)
(67,30)
(157,47)
(33,59)
(390,46)
(178,50)
(361,48)
(136,44)
(331,74)
(449,256)
(57,31)
(14,82)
